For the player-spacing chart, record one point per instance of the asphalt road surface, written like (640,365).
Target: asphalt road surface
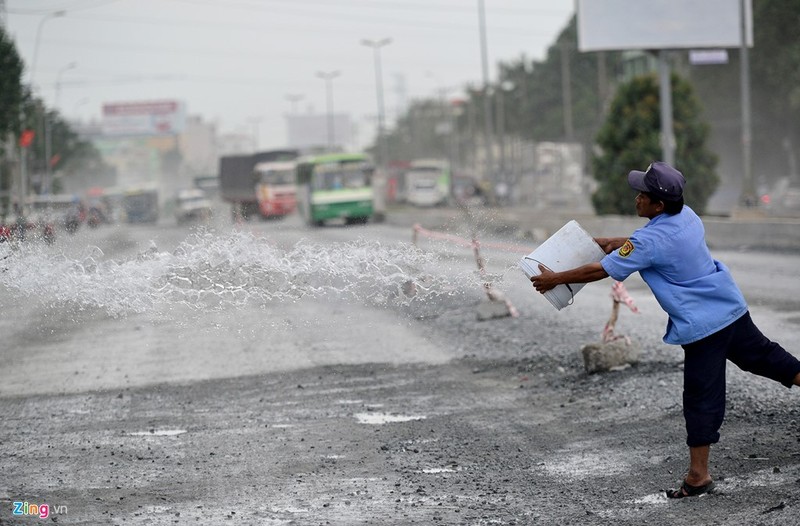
(272,374)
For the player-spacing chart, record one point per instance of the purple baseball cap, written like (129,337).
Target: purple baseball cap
(660,179)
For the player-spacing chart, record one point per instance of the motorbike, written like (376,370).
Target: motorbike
(49,234)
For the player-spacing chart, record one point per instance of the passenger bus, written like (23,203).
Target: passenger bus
(275,188)
(427,182)
(335,186)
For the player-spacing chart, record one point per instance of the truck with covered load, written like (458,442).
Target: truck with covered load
(238,183)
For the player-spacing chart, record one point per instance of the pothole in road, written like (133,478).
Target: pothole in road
(436,471)
(374,418)
(581,465)
(159,432)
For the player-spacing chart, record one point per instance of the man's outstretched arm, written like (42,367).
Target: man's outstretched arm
(584,274)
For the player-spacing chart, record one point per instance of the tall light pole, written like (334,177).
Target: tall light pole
(256,123)
(487,103)
(328,77)
(376,46)
(566,92)
(748,195)
(665,99)
(504,88)
(23,164)
(71,65)
(291,119)
(294,98)
(45,18)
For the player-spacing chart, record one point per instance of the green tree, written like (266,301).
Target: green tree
(417,134)
(11,97)
(11,92)
(535,107)
(70,156)
(629,140)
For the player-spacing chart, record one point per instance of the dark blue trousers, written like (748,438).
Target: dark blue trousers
(704,374)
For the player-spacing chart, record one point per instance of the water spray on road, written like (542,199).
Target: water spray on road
(212,271)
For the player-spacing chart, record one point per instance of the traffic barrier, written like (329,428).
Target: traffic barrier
(619,293)
(494,296)
(419,230)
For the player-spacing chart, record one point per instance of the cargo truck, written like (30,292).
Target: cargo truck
(238,182)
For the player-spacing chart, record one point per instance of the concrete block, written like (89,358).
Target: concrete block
(600,357)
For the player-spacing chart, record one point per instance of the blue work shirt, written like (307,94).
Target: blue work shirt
(696,291)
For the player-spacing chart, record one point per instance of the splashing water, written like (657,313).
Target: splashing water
(211,271)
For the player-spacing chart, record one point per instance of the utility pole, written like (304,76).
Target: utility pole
(328,77)
(602,81)
(23,150)
(566,92)
(54,14)
(294,98)
(748,196)
(665,94)
(487,103)
(376,48)
(256,122)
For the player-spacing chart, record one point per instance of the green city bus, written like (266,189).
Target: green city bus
(335,186)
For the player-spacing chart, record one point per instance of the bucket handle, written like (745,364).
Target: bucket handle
(571,292)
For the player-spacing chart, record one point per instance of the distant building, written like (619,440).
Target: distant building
(198,147)
(234,144)
(150,142)
(144,118)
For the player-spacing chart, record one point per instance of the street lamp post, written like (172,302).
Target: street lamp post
(291,119)
(328,77)
(54,14)
(504,88)
(449,110)
(256,123)
(487,103)
(71,65)
(23,175)
(376,46)
(748,195)
(294,98)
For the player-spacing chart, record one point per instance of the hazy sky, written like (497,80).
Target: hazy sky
(236,62)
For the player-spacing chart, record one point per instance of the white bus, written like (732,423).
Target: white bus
(427,182)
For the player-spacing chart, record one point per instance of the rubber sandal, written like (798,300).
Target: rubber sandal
(687,490)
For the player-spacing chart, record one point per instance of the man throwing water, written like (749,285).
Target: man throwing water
(708,315)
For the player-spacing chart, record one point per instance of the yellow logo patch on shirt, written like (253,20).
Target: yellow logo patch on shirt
(626,249)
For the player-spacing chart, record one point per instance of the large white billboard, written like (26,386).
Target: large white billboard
(150,118)
(661,24)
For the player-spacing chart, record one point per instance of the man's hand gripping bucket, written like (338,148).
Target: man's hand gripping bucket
(570,247)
